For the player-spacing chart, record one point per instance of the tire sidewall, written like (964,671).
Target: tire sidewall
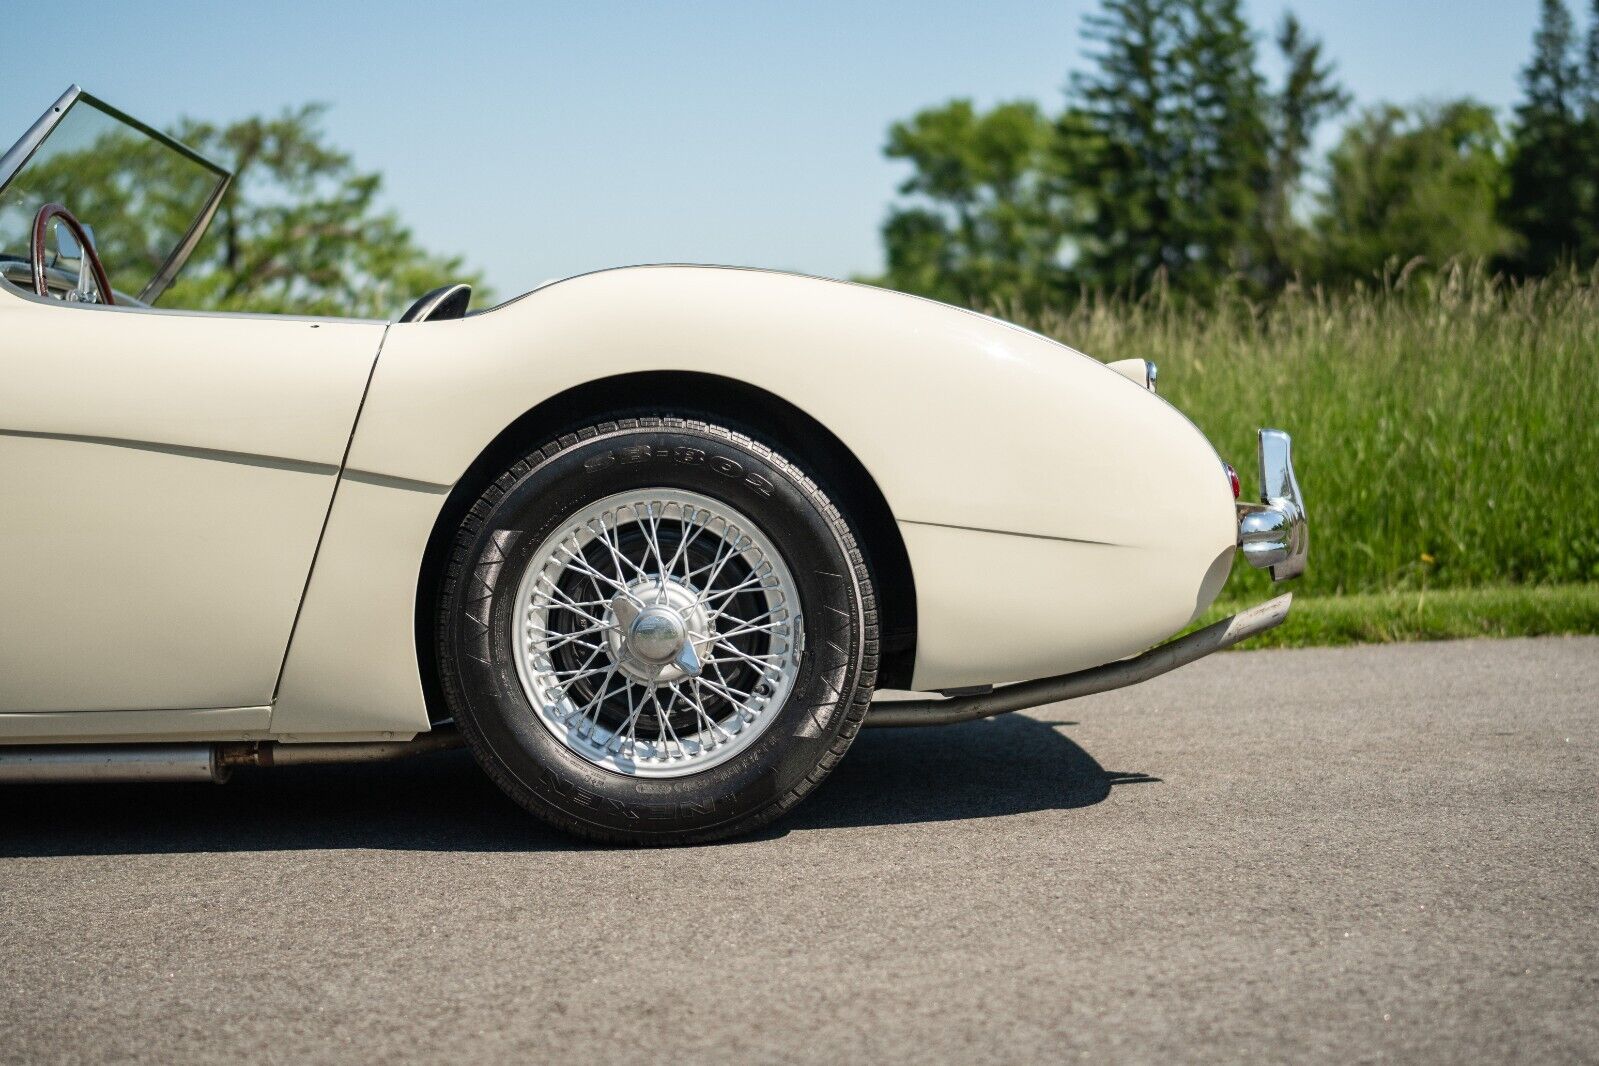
(535,500)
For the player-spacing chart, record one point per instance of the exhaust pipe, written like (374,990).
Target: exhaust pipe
(272,753)
(107,764)
(83,763)
(1153,663)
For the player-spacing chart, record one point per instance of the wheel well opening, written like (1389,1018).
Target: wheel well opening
(754,412)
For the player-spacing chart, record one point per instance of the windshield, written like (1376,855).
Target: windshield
(143,198)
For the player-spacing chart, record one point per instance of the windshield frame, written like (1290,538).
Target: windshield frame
(19,154)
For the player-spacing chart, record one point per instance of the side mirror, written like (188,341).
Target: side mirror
(66,243)
(68,248)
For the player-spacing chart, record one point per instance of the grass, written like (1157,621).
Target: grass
(1446,435)
(1446,614)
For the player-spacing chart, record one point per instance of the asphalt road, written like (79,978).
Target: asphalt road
(1286,855)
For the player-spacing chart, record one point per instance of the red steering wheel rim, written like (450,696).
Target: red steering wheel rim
(41,225)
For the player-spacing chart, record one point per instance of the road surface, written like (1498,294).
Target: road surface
(1284,855)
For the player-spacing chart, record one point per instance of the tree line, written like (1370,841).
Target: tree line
(1173,162)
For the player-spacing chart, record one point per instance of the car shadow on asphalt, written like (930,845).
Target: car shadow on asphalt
(441,802)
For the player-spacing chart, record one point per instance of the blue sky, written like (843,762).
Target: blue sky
(544,139)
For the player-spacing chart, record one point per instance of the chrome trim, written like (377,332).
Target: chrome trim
(23,150)
(1153,663)
(1138,371)
(431,303)
(1274,534)
(191,240)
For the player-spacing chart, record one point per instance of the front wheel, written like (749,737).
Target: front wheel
(656,631)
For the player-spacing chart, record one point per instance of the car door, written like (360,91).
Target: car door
(164,480)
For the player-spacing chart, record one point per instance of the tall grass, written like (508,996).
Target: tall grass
(1446,426)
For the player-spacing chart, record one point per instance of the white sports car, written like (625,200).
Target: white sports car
(647,540)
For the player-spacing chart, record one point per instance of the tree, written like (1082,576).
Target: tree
(987,224)
(1408,184)
(1551,195)
(1590,60)
(1177,110)
(1588,251)
(1309,96)
(301,230)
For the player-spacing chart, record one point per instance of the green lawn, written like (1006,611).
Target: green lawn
(1433,614)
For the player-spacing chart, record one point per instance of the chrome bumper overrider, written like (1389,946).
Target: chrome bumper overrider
(1274,533)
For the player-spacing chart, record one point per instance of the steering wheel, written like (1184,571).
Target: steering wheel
(89,257)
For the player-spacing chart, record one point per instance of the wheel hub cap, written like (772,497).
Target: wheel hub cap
(656,635)
(662,631)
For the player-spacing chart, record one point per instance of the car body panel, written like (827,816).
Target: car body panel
(353,664)
(165,478)
(1057,514)
(994,608)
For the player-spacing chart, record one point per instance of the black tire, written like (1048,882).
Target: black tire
(808,733)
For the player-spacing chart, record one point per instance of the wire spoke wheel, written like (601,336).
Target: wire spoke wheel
(657,632)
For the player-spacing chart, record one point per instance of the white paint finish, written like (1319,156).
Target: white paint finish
(995,608)
(962,420)
(1134,370)
(353,663)
(164,479)
(149,580)
(99,727)
(268,385)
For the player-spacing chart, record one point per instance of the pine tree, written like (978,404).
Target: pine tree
(1590,60)
(1129,177)
(1309,96)
(1178,111)
(1588,162)
(1548,198)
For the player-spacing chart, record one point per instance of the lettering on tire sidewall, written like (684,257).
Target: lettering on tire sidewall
(681,455)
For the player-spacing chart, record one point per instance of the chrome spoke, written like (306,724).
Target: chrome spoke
(765,662)
(622,562)
(556,595)
(742,630)
(629,616)
(684,541)
(547,645)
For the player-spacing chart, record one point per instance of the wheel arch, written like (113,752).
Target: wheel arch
(750,410)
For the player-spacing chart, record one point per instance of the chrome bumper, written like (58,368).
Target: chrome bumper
(1153,663)
(1274,533)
